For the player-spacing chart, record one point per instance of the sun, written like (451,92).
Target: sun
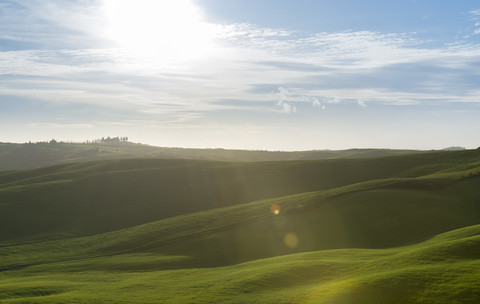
(169,29)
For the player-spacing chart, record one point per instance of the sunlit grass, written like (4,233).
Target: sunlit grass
(359,275)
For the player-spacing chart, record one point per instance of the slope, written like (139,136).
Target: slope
(372,214)
(401,229)
(89,198)
(442,269)
(37,155)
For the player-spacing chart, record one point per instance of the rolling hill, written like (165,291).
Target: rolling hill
(400,229)
(37,155)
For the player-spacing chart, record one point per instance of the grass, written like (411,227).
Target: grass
(400,275)
(89,198)
(402,229)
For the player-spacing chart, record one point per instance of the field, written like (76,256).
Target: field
(398,229)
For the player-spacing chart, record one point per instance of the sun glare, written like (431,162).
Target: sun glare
(168,29)
(275,209)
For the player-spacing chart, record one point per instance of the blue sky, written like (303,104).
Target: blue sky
(263,74)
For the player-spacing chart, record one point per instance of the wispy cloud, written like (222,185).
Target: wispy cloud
(257,66)
(283,95)
(239,31)
(287,98)
(475,12)
(60,126)
(361,103)
(51,24)
(475,17)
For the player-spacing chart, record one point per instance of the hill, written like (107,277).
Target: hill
(88,198)
(401,229)
(443,269)
(37,155)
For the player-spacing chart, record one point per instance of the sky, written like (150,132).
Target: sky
(250,74)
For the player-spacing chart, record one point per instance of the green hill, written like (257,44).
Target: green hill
(403,229)
(37,155)
(443,269)
(87,198)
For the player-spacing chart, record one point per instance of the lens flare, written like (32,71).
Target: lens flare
(275,209)
(290,240)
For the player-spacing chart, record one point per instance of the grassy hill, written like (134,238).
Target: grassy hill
(87,198)
(403,229)
(37,155)
(443,269)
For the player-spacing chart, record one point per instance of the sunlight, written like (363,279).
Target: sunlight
(170,30)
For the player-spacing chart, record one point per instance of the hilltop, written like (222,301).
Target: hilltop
(37,155)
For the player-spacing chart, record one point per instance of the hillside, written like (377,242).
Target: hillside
(97,197)
(37,155)
(402,229)
(443,269)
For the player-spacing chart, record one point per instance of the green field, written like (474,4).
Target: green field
(399,229)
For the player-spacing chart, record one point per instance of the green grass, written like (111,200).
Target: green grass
(403,229)
(96,197)
(443,269)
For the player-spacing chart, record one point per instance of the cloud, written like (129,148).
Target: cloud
(170,121)
(283,95)
(475,17)
(60,126)
(247,64)
(287,97)
(51,24)
(287,108)
(240,31)
(327,68)
(475,12)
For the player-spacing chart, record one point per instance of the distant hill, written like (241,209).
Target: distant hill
(37,155)
(454,148)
